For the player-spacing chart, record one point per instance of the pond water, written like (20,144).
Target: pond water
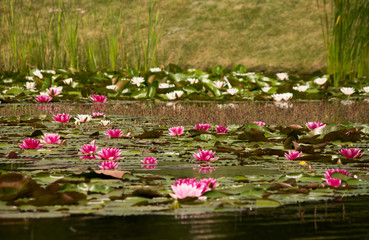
(345,218)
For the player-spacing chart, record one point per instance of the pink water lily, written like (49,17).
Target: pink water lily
(260,123)
(205,155)
(43,98)
(98,98)
(334,182)
(149,160)
(313,125)
(176,131)
(108,165)
(291,155)
(221,129)
(54,91)
(189,187)
(110,154)
(62,118)
(202,127)
(88,150)
(30,143)
(98,114)
(113,133)
(51,138)
(351,153)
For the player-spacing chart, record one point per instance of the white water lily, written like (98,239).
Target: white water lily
(232,91)
(155,69)
(282,96)
(38,74)
(192,80)
(166,85)
(366,89)
(137,80)
(29,78)
(321,81)
(48,71)
(68,81)
(8,80)
(105,123)
(83,118)
(219,84)
(347,90)
(179,93)
(300,88)
(30,85)
(112,87)
(266,89)
(282,76)
(171,95)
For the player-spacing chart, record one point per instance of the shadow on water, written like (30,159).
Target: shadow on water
(340,219)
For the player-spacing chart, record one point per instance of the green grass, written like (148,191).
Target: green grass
(262,35)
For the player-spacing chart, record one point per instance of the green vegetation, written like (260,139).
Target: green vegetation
(262,35)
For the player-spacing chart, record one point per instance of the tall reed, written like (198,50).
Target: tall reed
(60,35)
(346,37)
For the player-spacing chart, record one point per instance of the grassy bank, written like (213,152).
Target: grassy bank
(260,34)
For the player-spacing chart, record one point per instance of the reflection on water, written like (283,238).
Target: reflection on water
(340,219)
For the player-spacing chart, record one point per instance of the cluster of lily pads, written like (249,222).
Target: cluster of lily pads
(310,162)
(172,84)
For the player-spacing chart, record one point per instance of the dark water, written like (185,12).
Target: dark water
(340,219)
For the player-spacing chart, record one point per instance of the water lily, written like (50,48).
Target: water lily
(51,138)
(221,129)
(105,123)
(30,143)
(189,187)
(110,154)
(321,81)
(113,133)
(176,131)
(219,84)
(334,182)
(149,160)
(137,81)
(313,125)
(112,87)
(192,80)
(282,96)
(351,153)
(300,88)
(38,74)
(202,127)
(291,155)
(62,118)
(83,118)
(88,150)
(282,76)
(366,89)
(108,165)
(232,91)
(259,123)
(54,91)
(153,70)
(98,98)
(98,114)
(165,85)
(30,85)
(266,89)
(205,155)
(68,81)
(347,90)
(43,98)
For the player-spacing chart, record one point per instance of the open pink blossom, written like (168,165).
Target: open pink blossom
(88,150)
(113,133)
(334,182)
(51,138)
(54,91)
(30,143)
(208,184)
(43,98)
(149,160)
(98,98)
(202,127)
(98,114)
(260,123)
(109,154)
(205,155)
(291,155)
(62,118)
(221,129)
(108,165)
(313,125)
(189,187)
(176,131)
(351,153)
